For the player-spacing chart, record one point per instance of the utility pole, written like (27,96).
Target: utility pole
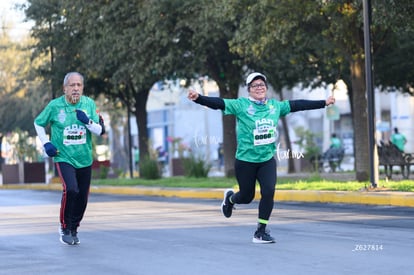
(370,94)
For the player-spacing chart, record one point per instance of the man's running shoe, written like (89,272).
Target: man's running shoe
(227,206)
(261,236)
(66,237)
(74,234)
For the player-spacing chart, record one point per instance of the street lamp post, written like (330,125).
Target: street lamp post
(370,94)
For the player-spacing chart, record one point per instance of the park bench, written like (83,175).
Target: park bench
(389,155)
(330,160)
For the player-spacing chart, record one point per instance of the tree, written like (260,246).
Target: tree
(144,42)
(19,101)
(317,42)
(55,40)
(203,50)
(126,46)
(393,55)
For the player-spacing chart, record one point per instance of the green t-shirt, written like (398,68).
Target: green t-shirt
(68,134)
(256,127)
(398,140)
(336,142)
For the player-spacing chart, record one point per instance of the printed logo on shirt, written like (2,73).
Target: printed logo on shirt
(251,110)
(265,132)
(62,116)
(74,135)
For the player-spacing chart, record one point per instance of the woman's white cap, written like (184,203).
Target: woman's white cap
(252,76)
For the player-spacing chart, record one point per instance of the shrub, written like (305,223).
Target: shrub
(149,169)
(196,166)
(101,172)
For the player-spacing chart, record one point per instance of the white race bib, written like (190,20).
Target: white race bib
(264,136)
(74,135)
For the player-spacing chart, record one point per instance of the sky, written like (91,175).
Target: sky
(13,18)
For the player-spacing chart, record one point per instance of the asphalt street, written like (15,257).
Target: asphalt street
(124,234)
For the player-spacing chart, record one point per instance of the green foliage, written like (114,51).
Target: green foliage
(403,186)
(126,46)
(307,142)
(20,96)
(149,169)
(100,173)
(55,39)
(25,146)
(321,185)
(179,181)
(196,166)
(320,42)
(284,183)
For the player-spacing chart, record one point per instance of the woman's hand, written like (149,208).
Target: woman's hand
(330,100)
(192,95)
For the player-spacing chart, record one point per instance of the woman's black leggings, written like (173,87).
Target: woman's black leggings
(265,173)
(75,183)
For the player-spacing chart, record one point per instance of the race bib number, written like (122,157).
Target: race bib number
(264,136)
(74,135)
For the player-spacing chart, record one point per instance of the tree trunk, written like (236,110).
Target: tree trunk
(229,129)
(118,154)
(291,164)
(142,119)
(229,144)
(360,119)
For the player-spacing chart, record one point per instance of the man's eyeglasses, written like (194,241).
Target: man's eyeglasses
(255,86)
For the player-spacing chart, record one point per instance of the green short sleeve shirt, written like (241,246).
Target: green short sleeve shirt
(70,136)
(256,127)
(398,140)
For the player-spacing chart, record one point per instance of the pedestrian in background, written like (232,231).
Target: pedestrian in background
(335,153)
(6,150)
(335,142)
(220,156)
(398,140)
(136,158)
(257,120)
(72,119)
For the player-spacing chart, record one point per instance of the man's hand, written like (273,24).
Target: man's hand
(102,123)
(82,117)
(50,149)
(192,95)
(330,100)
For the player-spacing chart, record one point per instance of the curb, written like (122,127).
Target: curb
(403,199)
